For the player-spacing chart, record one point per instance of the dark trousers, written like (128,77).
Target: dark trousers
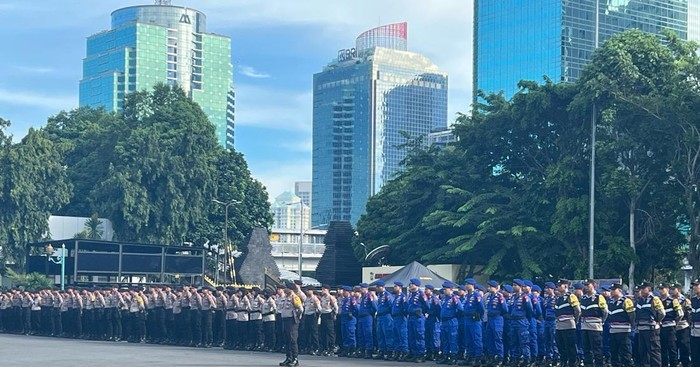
(683,344)
(649,348)
(566,343)
(620,349)
(269,331)
(138,326)
(219,327)
(207,324)
(186,325)
(592,347)
(230,333)
(26,319)
(36,321)
(196,317)
(256,332)
(669,352)
(291,331)
(151,332)
(126,325)
(327,332)
(695,349)
(88,323)
(169,325)
(56,322)
(279,331)
(309,332)
(243,336)
(161,331)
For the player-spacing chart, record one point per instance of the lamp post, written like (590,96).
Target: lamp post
(215,251)
(60,259)
(301,232)
(226,206)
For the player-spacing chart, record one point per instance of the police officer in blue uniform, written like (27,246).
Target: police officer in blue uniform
(449,307)
(520,314)
(385,324)
(398,316)
(416,309)
(495,308)
(461,338)
(537,293)
(432,324)
(507,291)
(367,308)
(549,314)
(473,315)
(533,318)
(348,322)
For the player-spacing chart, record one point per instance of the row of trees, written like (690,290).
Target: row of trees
(510,198)
(153,170)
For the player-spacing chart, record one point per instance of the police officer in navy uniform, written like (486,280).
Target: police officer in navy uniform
(416,309)
(449,307)
(683,327)
(432,324)
(385,323)
(594,310)
(520,314)
(694,320)
(473,306)
(621,318)
(549,315)
(496,307)
(366,310)
(348,322)
(650,312)
(674,313)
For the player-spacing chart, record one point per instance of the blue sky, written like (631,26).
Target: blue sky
(277,46)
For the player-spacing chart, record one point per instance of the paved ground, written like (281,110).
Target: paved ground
(29,351)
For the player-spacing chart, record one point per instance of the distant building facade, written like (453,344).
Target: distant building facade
(365,100)
(287,212)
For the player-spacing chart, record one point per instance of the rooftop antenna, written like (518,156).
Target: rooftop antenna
(164,2)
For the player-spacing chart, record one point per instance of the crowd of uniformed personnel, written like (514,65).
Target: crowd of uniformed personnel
(517,325)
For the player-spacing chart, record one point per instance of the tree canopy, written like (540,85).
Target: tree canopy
(510,197)
(153,170)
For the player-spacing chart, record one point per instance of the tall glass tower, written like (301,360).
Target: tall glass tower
(364,102)
(161,43)
(527,39)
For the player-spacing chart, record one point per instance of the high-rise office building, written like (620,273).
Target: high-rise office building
(527,39)
(364,101)
(161,43)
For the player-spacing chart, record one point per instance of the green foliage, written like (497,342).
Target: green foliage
(152,170)
(31,281)
(510,197)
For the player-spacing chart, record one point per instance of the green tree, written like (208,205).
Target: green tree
(162,177)
(33,185)
(31,281)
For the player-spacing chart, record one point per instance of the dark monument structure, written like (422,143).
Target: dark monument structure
(339,266)
(257,259)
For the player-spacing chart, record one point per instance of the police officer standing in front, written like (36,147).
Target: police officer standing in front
(594,310)
(674,313)
(367,308)
(650,312)
(449,308)
(621,316)
(416,308)
(496,307)
(385,324)
(292,308)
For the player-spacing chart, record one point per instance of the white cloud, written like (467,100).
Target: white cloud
(249,71)
(32,99)
(34,69)
(304,145)
(273,108)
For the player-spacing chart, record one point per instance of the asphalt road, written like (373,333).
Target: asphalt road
(30,351)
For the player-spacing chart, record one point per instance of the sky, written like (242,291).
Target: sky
(277,46)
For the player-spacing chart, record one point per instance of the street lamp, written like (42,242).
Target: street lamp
(226,206)
(57,258)
(215,251)
(301,231)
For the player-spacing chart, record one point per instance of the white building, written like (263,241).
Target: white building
(285,248)
(286,212)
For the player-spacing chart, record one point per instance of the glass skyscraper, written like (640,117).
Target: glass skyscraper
(364,102)
(153,44)
(527,39)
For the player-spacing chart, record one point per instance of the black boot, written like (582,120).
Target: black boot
(430,356)
(285,362)
(466,362)
(368,354)
(294,362)
(419,359)
(380,355)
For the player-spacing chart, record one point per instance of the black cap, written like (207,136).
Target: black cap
(676,285)
(645,284)
(589,281)
(562,281)
(664,285)
(291,286)
(219,288)
(297,282)
(695,282)
(326,286)
(615,286)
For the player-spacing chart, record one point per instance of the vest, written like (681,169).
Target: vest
(592,312)
(618,315)
(695,316)
(649,312)
(671,307)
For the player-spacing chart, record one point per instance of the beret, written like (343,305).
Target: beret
(380,283)
(347,288)
(528,283)
(549,285)
(519,282)
(364,285)
(578,285)
(470,281)
(430,286)
(415,281)
(492,283)
(398,284)
(536,288)
(480,287)
(448,285)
